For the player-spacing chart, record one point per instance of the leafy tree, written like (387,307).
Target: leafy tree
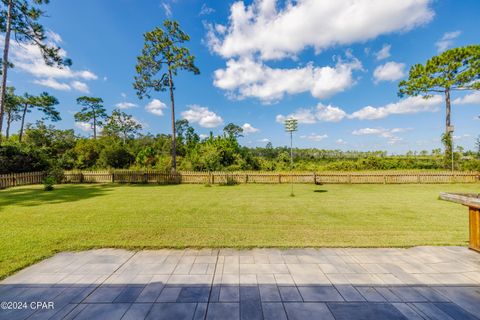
(163,52)
(12,109)
(44,103)
(233,131)
(115,156)
(453,70)
(121,124)
(92,112)
(21,18)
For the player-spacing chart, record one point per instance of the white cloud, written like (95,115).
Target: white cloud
(471,98)
(80,86)
(315,137)
(28,58)
(167,8)
(52,83)
(206,10)
(406,106)
(203,136)
(383,53)
(309,116)
(248,128)
(389,134)
(304,116)
(201,115)
(84,126)
(446,40)
(341,142)
(247,78)
(274,32)
(264,140)
(156,107)
(128,105)
(329,113)
(389,71)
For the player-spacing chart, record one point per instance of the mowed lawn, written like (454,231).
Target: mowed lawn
(35,224)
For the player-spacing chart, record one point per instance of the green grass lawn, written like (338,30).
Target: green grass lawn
(35,224)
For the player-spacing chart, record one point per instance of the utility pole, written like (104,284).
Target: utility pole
(291,125)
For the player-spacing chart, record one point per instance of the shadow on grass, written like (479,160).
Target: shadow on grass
(34,196)
(320,190)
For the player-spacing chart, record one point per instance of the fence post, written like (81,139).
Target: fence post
(246,178)
(349,178)
(279,178)
(113,176)
(384,179)
(314,178)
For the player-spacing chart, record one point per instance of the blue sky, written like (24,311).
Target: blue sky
(335,65)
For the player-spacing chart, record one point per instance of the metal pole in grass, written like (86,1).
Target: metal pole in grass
(291,125)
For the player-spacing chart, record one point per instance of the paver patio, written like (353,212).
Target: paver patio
(415,283)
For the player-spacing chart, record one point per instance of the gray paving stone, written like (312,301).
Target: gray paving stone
(169,294)
(194,294)
(269,293)
(289,294)
(349,293)
(455,311)
(167,311)
(273,311)
(388,294)
(129,294)
(408,294)
(221,311)
(430,311)
(229,293)
(137,311)
(365,311)
(200,311)
(320,294)
(102,311)
(250,303)
(151,292)
(370,294)
(104,294)
(407,311)
(310,310)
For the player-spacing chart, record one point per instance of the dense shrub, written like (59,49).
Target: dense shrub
(15,158)
(116,156)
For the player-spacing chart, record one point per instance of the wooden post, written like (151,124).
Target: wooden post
(314,178)
(113,176)
(474,228)
(280,178)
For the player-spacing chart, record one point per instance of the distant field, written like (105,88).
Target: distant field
(36,224)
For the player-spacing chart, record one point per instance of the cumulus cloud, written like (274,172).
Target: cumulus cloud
(329,113)
(471,98)
(80,86)
(389,71)
(390,134)
(320,113)
(315,137)
(127,105)
(383,53)
(248,128)
(406,106)
(156,107)
(446,40)
(201,115)
(52,83)
(28,58)
(84,126)
(277,32)
(248,78)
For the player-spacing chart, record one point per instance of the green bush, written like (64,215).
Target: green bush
(48,183)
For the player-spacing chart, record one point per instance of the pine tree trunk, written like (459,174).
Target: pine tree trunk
(174,138)
(94,126)
(7,129)
(447,120)
(20,134)
(3,88)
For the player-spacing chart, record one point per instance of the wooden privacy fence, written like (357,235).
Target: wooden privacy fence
(194,177)
(218,177)
(20,179)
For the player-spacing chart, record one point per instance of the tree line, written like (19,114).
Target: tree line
(116,142)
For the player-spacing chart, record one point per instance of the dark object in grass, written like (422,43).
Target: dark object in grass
(320,190)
